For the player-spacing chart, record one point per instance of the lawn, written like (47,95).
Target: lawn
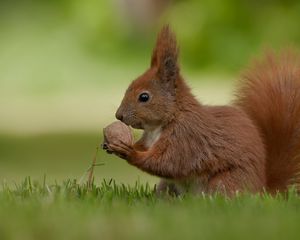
(68,210)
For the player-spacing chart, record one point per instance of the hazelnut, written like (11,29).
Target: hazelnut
(116,132)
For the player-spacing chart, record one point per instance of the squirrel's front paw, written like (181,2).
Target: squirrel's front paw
(122,150)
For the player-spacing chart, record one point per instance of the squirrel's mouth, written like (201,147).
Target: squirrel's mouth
(136,126)
(133,124)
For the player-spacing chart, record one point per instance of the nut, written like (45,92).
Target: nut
(116,132)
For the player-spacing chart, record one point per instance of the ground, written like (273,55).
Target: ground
(34,210)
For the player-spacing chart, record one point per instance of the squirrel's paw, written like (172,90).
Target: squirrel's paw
(122,150)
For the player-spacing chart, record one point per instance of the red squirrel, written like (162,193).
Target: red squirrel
(252,145)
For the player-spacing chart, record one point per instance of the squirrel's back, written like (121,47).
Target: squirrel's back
(270,94)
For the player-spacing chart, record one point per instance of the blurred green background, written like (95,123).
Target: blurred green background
(65,64)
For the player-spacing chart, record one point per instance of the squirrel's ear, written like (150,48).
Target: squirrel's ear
(165,56)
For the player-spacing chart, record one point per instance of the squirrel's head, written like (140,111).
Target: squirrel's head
(150,100)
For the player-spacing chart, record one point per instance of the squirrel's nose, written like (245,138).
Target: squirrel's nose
(119,116)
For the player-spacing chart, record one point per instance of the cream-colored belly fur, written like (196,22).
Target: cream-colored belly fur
(151,136)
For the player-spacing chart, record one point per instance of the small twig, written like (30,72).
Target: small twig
(90,170)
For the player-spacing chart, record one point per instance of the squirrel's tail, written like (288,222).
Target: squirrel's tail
(270,94)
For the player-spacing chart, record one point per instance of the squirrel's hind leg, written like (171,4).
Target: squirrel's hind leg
(231,182)
(166,187)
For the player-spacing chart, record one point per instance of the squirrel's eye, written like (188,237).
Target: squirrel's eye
(144,97)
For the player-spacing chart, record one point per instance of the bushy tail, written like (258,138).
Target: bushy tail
(270,94)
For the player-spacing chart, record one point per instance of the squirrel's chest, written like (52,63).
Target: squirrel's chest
(151,137)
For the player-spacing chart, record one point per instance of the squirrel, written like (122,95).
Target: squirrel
(252,145)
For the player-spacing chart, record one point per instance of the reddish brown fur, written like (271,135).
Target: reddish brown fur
(200,148)
(270,94)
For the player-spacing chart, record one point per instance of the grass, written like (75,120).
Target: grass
(37,210)
(121,208)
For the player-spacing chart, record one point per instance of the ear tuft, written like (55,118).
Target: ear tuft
(165,58)
(166,47)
